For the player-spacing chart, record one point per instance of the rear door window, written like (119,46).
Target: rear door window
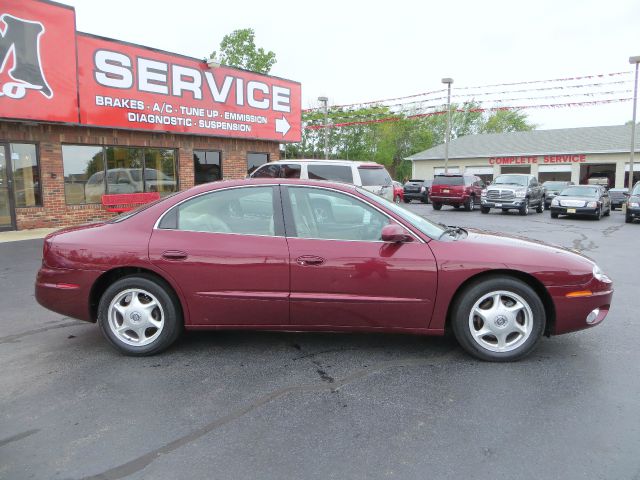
(267,171)
(335,173)
(290,170)
(442,180)
(372,177)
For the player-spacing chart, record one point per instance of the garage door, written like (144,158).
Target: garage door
(554,168)
(440,171)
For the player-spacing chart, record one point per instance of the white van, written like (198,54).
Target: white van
(368,175)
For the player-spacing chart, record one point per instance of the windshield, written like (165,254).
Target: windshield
(135,211)
(372,177)
(432,230)
(446,180)
(579,192)
(511,180)
(636,190)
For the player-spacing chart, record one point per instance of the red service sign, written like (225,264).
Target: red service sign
(38,61)
(133,87)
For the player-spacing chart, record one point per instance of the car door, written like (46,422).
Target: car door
(227,253)
(536,194)
(343,275)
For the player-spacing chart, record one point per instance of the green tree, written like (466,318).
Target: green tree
(238,49)
(503,121)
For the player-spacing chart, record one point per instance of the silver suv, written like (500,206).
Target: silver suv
(513,191)
(368,175)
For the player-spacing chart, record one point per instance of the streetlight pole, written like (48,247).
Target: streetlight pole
(633,60)
(325,109)
(448,82)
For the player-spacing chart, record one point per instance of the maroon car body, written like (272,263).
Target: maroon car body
(233,281)
(456,190)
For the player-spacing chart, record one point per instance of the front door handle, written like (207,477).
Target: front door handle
(174,255)
(306,260)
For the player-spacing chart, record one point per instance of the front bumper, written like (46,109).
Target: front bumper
(573,210)
(633,212)
(571,312)
(516,203)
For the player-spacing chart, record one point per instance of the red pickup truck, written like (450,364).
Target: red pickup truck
(456,190)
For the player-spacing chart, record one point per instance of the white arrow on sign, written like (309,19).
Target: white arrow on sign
(282,126)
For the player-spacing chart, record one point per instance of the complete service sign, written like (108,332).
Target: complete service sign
(128,86)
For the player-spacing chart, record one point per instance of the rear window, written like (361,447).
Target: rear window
(374,177)
(267,171)
(447,180)
(334,173)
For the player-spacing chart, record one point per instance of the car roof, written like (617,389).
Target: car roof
(332,162)
(211,186)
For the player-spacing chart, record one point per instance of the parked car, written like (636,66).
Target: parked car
(618,197)
(252,254)
(368,175)
(513,191)
(398,192)
(128,180)
(551,189)
(598,179)
(633,204)
(417,190)
(456,190)
(591,200)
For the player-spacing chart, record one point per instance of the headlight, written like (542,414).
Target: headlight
(483,193)
(600,275)
(634,204)
(423,189)
(555,201)
(592,205)
(521,194)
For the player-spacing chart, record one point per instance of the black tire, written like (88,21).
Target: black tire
(407,200)
(628,218)
(485,209)
(173,321)
(540,208)
(608,212)
(554,215)
(465,301)
(423,200)
(524,209)
(397,199)
(436,206)
(598,214)
(456,206)
(470,204)
(613,208)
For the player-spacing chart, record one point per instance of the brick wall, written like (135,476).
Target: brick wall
(49,138)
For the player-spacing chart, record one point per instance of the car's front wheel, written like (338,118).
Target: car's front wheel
(524,209)
(436,206)
(485,209)
(498,319)
(140,315)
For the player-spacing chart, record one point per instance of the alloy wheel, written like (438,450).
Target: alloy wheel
(136,317)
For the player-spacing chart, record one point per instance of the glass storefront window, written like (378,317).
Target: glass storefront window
(207,166)
(160,171)
(127,170)
(83,174)
(254,160)
(26,175)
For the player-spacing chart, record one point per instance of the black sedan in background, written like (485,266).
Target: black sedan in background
(551,189)
(417,190)
(633,204)
(618,197)
(590,200)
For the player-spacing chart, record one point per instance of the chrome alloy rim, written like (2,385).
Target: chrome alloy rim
(136,317)
(500,321)
(471,203)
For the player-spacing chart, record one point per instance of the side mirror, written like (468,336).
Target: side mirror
(394,233)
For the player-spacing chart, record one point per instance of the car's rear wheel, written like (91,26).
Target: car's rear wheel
(397,199)
(485,209)
(140,315)
(498,319)
(436,206)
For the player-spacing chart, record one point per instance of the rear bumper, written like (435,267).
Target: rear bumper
(415,196)
(571,313)
(448,200)
(66,291)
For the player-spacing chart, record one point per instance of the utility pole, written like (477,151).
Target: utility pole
(447,138)
(325,109)
(633,60)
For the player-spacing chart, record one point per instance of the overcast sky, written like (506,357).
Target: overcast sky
(361,51)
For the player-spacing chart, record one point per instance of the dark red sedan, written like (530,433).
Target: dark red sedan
(254,254)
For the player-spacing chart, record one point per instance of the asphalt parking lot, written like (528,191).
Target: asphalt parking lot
(244,405)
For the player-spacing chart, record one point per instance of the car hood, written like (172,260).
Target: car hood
(575,198)
(481,250)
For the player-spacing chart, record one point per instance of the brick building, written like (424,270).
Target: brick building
(121,118)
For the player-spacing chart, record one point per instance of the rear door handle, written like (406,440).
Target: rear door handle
(174,255)
(305,260)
